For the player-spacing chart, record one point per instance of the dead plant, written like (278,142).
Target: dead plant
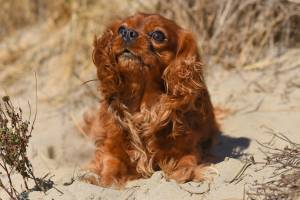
(15,133)
(285,181)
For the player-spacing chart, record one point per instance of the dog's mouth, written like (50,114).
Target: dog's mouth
(127,55)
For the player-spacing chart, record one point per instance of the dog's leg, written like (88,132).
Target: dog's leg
(112,169)
(181,170)
(187,169)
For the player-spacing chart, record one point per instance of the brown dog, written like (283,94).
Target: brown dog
(156,112)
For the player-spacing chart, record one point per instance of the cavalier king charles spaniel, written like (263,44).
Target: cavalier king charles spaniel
(155,112)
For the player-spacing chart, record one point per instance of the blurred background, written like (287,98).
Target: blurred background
(54,38)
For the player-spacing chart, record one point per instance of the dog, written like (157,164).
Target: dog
(155,111)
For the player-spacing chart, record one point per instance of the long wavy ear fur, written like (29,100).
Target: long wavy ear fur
(184,76)
(104,61)
(186,90)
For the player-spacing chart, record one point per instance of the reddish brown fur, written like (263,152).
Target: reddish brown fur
(156,111)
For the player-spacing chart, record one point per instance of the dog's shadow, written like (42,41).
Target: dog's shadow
(228,146)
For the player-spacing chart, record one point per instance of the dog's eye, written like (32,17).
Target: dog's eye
(122,31)
(158,36)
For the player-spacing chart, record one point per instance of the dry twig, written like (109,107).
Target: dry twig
(285,181)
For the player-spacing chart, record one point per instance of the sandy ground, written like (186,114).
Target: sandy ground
(258,100)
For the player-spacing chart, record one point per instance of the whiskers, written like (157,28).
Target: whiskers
(88,81)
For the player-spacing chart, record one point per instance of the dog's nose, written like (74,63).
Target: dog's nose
(127,34)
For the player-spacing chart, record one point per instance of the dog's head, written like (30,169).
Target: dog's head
(143,45)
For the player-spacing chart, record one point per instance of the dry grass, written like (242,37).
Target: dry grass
(234,32)
(54,37)
(284,183)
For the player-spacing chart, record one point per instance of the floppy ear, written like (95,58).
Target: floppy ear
(102,48)
(185,89)
(104,61)
(184,76)
(187,46)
